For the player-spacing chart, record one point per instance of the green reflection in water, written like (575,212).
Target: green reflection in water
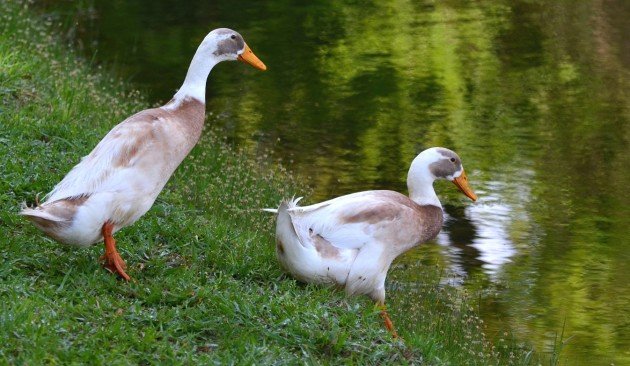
(532,94)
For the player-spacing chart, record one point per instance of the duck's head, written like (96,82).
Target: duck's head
(224,44)
(439,163)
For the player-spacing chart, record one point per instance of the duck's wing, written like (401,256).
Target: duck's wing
(353,221)
(117,151)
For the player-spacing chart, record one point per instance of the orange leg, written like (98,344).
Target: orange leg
(388,322)
(111,259)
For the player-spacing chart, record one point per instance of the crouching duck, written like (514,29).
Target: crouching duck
(119,180)
(352,240)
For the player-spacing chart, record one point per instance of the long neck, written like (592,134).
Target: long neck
(424,194)
(420,185)
(195,83)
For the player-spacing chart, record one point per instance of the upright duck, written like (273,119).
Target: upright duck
(352,240)
(119,180)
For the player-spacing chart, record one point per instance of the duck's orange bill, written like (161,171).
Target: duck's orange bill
(249,57)
(462,183)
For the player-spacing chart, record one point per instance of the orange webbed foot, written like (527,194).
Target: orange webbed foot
(111,259)
(114,263)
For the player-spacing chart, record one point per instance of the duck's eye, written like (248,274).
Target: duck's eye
(453,160)
(233,36)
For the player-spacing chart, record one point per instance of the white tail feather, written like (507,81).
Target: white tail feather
(30,212)
(290,203)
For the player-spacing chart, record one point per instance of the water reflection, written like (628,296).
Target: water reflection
(493,218)
(478,242)
(477,236)
(456,235)
(532,95)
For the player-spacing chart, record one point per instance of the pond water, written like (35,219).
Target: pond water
(532,94)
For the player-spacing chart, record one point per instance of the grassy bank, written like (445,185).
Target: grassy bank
(207,286)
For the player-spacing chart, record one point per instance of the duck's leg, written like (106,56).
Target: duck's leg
(388,322)
(111,259)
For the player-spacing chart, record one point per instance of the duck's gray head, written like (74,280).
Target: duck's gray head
(441,163)
(226,44)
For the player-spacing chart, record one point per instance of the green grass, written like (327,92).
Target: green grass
(207,287)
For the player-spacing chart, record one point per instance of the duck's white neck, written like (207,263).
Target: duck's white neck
(195,83)
(420,182)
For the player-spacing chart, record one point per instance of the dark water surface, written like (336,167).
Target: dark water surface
(533,95)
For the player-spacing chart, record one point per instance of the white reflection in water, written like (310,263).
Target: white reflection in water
(491,217)
(492,220)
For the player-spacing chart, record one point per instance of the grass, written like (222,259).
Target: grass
(207,287)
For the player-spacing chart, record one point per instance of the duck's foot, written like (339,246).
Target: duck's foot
(388,322)
(111,259)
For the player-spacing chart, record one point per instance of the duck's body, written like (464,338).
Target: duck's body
(120,179)
(352,240)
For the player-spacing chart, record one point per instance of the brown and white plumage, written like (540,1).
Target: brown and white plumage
(119,180)
(352,240)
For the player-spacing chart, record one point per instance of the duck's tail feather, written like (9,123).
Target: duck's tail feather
(45,221)
(287,203)
(36,214)
(285,230)
(293,202)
